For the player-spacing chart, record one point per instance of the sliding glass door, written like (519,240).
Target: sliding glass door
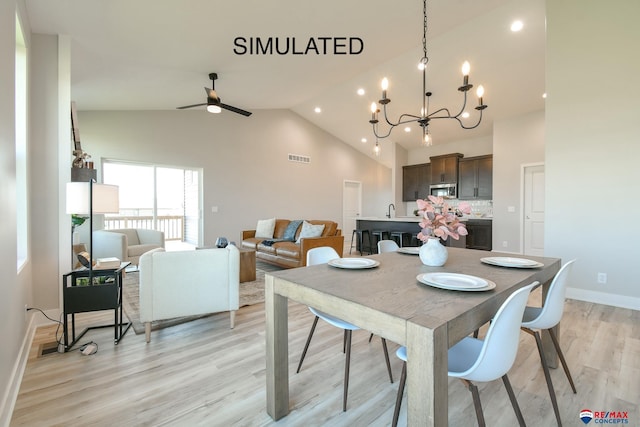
(156,197)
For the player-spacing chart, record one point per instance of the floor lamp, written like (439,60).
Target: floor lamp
(89,198)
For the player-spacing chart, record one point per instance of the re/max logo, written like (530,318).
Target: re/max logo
(612,414)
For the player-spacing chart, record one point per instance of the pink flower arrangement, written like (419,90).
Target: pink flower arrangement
(439,221)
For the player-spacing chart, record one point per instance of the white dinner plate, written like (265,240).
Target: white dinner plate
(511,262)
(354,263)
(410,250)
(455,282)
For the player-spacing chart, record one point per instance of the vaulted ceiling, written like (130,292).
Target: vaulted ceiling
(156,55)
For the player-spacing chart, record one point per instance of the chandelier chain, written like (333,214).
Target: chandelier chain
(424,32)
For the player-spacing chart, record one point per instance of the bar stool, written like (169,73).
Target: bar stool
(414,238)
(360,242)
(400,236)
(379,235)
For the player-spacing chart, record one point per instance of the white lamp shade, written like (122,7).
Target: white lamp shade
(106,198)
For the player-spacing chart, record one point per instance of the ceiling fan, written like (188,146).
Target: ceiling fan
(214,104)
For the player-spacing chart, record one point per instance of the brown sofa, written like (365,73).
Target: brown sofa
(289,254)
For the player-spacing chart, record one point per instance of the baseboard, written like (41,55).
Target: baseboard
(11,392)
(36,319)
(614,300)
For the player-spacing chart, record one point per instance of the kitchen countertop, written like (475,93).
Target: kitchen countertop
(392,219)
(417,218)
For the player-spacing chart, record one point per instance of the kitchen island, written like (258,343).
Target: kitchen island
(408,224)
(479,227)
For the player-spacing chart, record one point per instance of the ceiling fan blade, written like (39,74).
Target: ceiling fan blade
(211,93)
(235,109)
(190,106)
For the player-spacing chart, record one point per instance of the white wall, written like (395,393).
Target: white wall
(592,145)
(516,141)
(15,286)
(469,147)
(247,174)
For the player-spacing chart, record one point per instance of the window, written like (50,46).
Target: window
(22,211)
(156,197)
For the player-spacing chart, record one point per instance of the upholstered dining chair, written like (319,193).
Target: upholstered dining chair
(473,359)
(322,255)
(387,246)
(537,319)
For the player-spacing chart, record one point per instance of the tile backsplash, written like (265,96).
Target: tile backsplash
(484,207)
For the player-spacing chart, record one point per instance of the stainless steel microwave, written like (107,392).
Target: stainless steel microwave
(448,191)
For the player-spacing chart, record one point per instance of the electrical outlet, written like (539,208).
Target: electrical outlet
(505,244)
(602,278)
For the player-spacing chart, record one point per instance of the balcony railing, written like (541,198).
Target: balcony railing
(171,225)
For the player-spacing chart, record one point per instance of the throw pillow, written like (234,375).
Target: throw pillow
(265,227)
(292,228)
(310,230)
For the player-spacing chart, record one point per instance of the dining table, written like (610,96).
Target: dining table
(385,297)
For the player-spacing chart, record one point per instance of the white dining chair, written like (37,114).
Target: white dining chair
(472,359)
(323,255)
(547,317)
(387,246)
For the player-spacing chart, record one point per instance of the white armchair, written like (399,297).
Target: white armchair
(126,244)
(188,283)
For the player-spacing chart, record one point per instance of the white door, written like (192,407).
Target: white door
(533,210)
(351,206)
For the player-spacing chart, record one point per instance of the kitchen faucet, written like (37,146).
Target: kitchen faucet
(389,209)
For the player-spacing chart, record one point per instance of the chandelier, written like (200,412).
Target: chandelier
(426,116)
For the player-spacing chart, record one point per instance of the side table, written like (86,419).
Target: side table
(84,291)
(247,265)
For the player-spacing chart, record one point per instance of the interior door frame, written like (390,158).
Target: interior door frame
(359,204)
(523,168)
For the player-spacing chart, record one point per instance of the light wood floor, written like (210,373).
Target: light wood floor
(204,374)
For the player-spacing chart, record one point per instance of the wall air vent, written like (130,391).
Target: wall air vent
(298,158)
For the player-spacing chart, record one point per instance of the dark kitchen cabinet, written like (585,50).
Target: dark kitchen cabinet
(415,181)
(444,169)
(479,234)
(475,178)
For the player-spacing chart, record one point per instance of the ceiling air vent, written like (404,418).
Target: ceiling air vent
(298,158)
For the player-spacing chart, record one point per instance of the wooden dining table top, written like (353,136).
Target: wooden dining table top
(392,290)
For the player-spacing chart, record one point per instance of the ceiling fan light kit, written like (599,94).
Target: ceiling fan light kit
(425,115)
(214,104)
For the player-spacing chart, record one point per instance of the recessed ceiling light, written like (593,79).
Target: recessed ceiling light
(360,91)
(465,115)
(516,26)
(407,129)
(318,110)
(544,95)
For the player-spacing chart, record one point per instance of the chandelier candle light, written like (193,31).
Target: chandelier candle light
(425,116)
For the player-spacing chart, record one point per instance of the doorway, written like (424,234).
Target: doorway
(351,206)
(163,198)
(533,210)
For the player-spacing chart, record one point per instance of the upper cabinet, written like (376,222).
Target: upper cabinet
(476,178)
(415,182)
(444,169)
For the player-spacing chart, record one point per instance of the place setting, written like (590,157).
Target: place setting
(511,262)
(354,263)
(455,282)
